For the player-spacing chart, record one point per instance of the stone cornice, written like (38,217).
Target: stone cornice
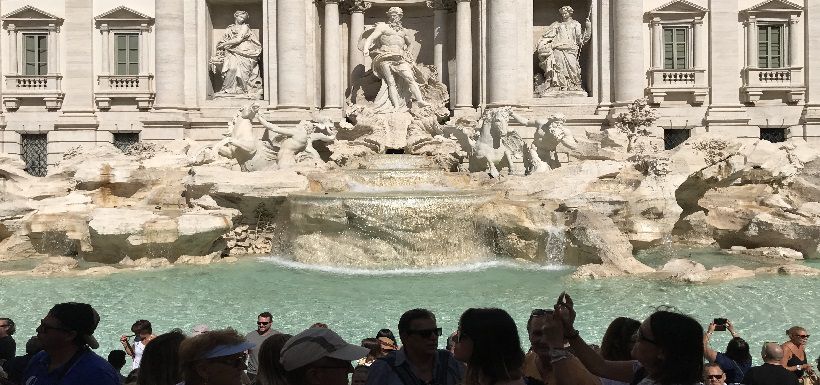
(351,6)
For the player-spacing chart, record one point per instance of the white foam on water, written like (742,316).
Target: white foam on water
(470,267)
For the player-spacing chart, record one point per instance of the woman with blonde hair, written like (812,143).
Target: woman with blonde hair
(215,358)
(794,352)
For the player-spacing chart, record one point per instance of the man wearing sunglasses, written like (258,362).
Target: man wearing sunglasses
(67,335)
(256,337)
(419,361)
(713,375)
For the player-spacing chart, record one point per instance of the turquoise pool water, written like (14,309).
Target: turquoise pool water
(358,303)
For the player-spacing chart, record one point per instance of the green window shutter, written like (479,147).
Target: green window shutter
(35,55)
(30,46)
(42,57)
(128,54)
(668,48)
(770,46)
(675,48)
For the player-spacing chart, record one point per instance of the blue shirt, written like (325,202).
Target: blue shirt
(85,368)
(734,370)
(381,372)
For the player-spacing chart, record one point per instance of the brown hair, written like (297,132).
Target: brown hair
(270,371)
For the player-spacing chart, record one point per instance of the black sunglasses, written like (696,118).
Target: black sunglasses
(43,328)
(262,323)
(640,337)
(714,376)
(541,312)
(426,333)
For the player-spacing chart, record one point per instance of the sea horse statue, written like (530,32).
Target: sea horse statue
(496,142)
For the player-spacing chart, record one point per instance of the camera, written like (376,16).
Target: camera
(720,324)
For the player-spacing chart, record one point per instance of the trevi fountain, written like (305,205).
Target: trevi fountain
(230,160)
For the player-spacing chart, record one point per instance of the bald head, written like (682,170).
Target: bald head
(772,352)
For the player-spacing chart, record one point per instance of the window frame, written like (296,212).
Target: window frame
(130,35)
(688,48)
(41,56)
(783,43)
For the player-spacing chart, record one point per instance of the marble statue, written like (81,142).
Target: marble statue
(496,142)
(548,135)
(558,51)
(300,139)
(240,142)
(388,44)
(237,60)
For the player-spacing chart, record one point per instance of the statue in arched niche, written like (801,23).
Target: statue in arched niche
(237,60)
(559,50)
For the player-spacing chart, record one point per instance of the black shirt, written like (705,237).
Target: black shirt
(769,374)
(8,348)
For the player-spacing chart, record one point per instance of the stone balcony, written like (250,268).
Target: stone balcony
(139,88)
(788,81)
(690,83)
(43,87)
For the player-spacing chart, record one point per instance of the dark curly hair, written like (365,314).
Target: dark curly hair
(680,337)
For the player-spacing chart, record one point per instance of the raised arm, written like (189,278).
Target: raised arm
(709,353)
(522,120)
(597,365)
(377,31)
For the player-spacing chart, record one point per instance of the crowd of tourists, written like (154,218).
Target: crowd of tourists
(666,348)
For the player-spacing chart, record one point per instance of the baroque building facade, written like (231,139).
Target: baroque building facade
(119,71)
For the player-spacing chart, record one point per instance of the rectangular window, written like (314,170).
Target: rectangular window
(128,53)
(774,135)
(770,46)
(124,140)
(36,54)
(672,138)
(675,48)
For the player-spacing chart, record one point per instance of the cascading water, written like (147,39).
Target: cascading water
(394,214)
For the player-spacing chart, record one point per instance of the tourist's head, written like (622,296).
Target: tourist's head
(318,356)
(669,345)
(216,357)
(7,327)
(772,352)
(388,339)
(199,329)
(798,335)
(270,370)
(374,347)
(738,350)
(617,342)
(160,360)
(713,375)
(263,322)
(488,343)
(240,17)
(566,12)
(33,345)
(117,359)
(69,323)
(418,331)
(142,328)
(535,326)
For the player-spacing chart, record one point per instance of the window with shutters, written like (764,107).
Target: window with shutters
(35,47)
(770,46)
(675,48)
(128,53)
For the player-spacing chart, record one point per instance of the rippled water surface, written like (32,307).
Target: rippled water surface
(358,303)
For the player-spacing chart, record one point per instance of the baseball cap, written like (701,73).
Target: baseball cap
(316,343)
(79,317)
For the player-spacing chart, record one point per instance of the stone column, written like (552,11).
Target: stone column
(355,57)
(751,42)
(144,50)
(291,45)
(700,45)
(628,74)
(502,61)
(77,77)
(464,55)
(14,66)
(724,63)
(331,55)
(106,49)
(440,8)
(812,62)
(657,44)
(795,43)
(170,76)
